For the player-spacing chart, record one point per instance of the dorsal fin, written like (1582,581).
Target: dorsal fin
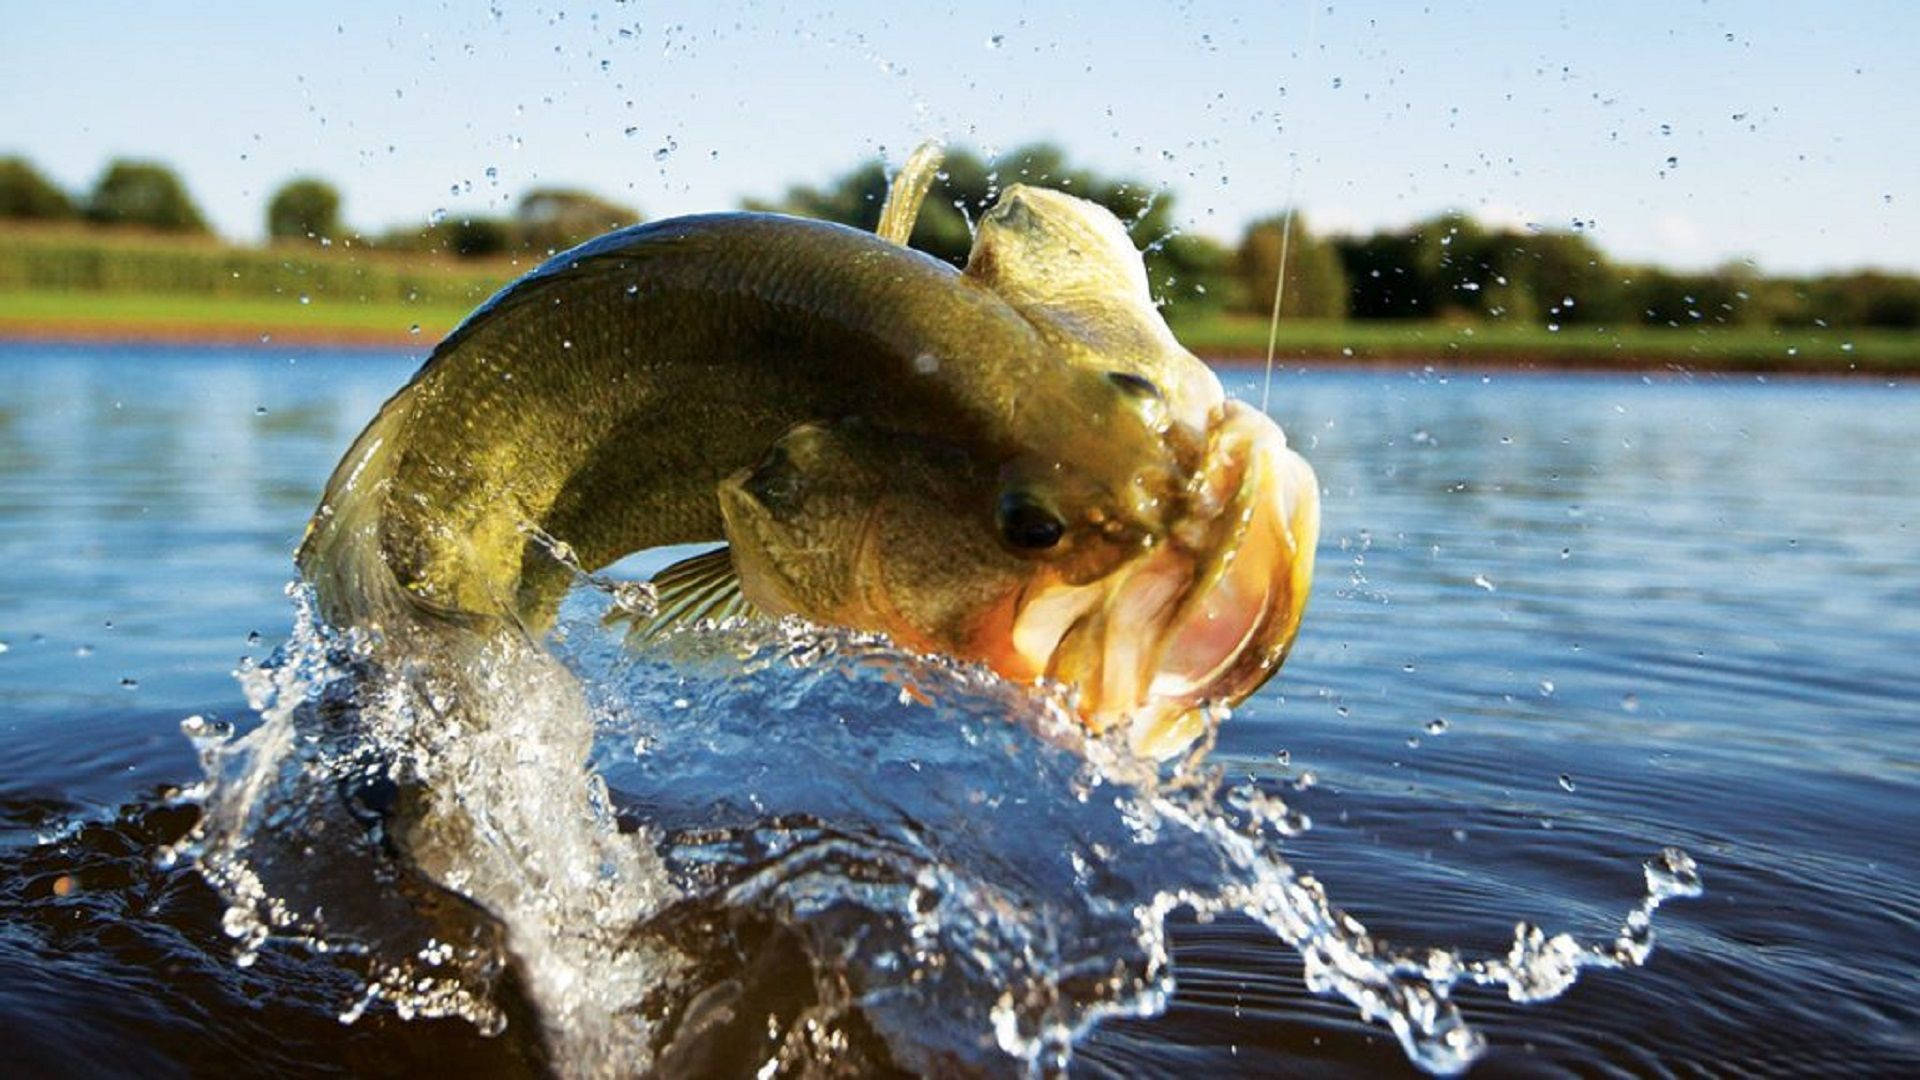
(906,191)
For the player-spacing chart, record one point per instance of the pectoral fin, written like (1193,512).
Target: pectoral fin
(702,588)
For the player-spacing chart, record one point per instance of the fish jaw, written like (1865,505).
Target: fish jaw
(1202,618)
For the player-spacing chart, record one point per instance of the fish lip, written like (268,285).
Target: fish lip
(1266,482)
(1151,657)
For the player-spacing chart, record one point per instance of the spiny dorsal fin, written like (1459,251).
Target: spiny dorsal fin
(907,191)
(703,587)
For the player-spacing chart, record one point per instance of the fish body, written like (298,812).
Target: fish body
(1015,463)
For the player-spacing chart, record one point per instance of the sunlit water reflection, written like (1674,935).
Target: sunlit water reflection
(1561,624)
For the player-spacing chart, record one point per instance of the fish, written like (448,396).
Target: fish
(1013,463)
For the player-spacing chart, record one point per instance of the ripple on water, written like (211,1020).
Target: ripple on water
(966,877)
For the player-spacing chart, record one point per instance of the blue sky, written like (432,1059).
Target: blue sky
(1685,132)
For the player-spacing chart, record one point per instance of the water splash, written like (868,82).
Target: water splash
(773,845)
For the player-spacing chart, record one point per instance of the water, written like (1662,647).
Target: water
(1561,624)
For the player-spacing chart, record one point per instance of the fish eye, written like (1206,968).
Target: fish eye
(1026,524)
(773,481)
(1138,385)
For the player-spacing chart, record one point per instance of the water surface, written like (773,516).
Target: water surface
(1559,624)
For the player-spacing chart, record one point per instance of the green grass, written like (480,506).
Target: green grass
(105,282)
(70,280)
(148,314)
(1230,338)
(1243,337)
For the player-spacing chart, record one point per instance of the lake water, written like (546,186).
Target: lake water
(1560,623)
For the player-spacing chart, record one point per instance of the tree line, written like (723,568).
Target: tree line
(149,195)
(1448,267)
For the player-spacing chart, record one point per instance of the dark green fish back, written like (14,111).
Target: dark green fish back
(602,397)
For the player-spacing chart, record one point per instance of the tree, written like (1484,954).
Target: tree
(1316,280)
(143,193)
(552,219)
(1384,280)
(1669,298)
(474,238)
(24,193)
(1867,298)
(306,208)
(1452,267)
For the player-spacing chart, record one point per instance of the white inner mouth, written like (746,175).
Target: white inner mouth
(1177,624)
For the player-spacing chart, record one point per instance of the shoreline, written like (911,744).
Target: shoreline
(215,334)
(1505,359)
(1522,362)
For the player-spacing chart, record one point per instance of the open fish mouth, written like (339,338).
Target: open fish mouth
(1208,614)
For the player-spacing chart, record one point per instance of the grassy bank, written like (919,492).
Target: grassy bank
(91,316)
(72,281)
(1704,348)
(90,284)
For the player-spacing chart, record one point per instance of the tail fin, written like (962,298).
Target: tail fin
(341,555)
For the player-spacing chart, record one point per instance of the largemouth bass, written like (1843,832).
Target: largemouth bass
(1015,463)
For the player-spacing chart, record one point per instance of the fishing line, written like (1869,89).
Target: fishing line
(1286,221)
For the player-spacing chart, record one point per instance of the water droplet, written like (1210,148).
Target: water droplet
(305,299)
(129,683)
(414,329)
(439,215)
(1482,581)
(259,410)
(1566,781)
(83,651)
(1630,703)
(1546,687)
(253,637)
(1672,873)
(996,41)
(1437,726)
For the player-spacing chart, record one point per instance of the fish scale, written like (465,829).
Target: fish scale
(604,395)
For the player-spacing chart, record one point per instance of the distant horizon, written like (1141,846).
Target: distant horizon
(1684,140)
(359,232)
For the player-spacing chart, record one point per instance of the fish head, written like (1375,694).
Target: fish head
(1122,529)
(949,550)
